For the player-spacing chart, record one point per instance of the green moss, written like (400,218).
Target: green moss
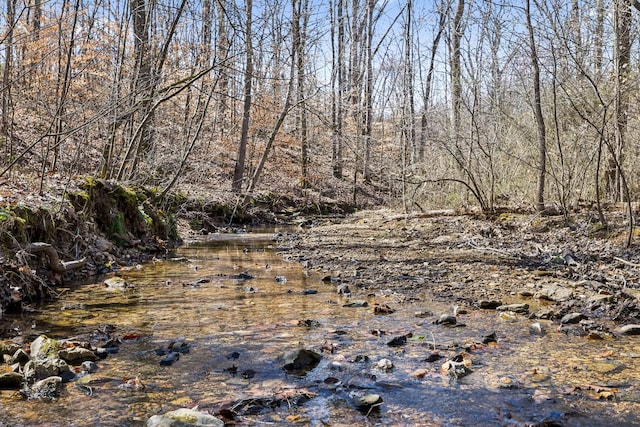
(117,228)
(50,347)
(144,217)
(185,418)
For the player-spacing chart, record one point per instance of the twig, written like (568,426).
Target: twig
(488,249)
(631,264)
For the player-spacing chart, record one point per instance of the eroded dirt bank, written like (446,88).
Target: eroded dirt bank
(572,272)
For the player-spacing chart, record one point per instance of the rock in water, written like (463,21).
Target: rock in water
(572,318)
(170,359)
(11,381)
(44,347)
(446,319)
(516,308)
(46,389)
(77,355)
(367,401)
(629,330)
(184,417)
(299,362)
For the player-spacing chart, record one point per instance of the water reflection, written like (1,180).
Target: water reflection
(238,326)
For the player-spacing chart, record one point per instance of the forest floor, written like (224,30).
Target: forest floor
(573,272)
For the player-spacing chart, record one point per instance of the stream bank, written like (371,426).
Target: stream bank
(91,227)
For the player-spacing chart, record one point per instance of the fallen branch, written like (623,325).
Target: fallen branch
(624,261)
(55,263)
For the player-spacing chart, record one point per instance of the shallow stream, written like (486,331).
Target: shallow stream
(237,329)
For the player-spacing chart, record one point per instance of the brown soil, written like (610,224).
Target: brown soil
(574,266)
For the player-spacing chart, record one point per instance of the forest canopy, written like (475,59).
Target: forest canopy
(440,103)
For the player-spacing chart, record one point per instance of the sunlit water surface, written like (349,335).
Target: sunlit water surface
(524,379)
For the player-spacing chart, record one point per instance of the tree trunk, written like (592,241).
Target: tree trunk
(456,77)
(338,94)
(622,57)
(238,173)
(542,133)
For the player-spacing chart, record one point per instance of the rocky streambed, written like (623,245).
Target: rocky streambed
(380,319)
(574,274)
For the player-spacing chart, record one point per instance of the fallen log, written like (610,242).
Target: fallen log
(55,263)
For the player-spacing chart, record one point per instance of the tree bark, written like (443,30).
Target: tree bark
(537,107)
(238,173)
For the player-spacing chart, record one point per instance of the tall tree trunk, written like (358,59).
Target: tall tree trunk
(238,173)
(407,90)
(598,37)
(537,107)
(338,93)
(456,76)
(300,18)
(622,57)
(368,93)
(223,46)
(7,77)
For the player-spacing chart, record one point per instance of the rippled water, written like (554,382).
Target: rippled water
(524,379)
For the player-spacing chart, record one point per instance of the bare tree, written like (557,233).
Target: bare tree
(537,107)
(238,173)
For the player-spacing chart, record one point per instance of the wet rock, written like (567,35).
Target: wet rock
(361,358)
(248,374)
(433,357)
(489,304)
(233,355)
(44,347)
(343,289)
(11,381)
(20,356)
(554,292)
(629,330)
(184,417)
(77,355)
(572,318)
(89,367)
(491,338)
(331,279)
(241,277)
(299,362)
(516,308)
(309,323)
(180,346)
(573,330)
(397,341)
(46,389)
(35,370)
(366,401)
(424,313)
(536,329)
(115,283)
(384,364)
(543,313)
(170,359)
(103,353)
(447,320)
(382,309)
(357,303)
(8,347)
(458,366)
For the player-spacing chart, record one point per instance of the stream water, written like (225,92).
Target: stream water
(237,329)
